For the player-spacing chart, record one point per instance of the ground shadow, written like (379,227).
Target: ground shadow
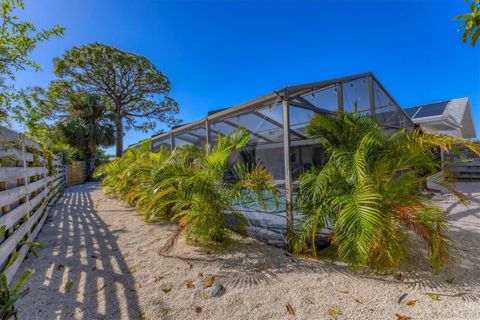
(80,252)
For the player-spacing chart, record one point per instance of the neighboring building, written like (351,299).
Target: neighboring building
(452,117)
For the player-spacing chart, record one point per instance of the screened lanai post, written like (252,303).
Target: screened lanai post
(172,140)
(371,96)
(208,138)
(338,87)
(288,173)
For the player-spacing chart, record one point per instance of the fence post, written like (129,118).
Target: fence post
(25,179)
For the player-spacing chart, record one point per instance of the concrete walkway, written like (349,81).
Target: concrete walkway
(101,261)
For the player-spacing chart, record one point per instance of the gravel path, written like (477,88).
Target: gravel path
(100,261)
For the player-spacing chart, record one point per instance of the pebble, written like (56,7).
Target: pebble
(217,290)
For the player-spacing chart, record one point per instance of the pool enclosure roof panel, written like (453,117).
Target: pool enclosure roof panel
(314,97)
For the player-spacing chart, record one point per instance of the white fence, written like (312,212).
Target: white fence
(28,184)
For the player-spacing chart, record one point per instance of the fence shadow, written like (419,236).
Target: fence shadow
(81,272)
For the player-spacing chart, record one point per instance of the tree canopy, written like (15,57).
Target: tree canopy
(17,41)
(471,23)
(138,91)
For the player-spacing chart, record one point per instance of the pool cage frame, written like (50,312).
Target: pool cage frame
(288,98)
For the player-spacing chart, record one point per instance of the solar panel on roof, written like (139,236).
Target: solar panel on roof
(434,109)
(411,111)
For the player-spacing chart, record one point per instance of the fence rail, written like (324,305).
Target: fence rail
(28,184)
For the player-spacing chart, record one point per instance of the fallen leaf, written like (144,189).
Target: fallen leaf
(411,303)
(209,282)
(198,309)
(450,280)
(433,296)
(69,286)
(141,315)
(402,317)
(164,313)
(399,276)
(333,312)
(200,274)
(356,300)
(190,285)
(258,269)
(101,288)
(133,269)
(290,309)
(167,289)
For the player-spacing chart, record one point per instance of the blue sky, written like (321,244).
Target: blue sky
(222,53)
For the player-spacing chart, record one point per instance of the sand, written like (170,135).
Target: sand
(109,257)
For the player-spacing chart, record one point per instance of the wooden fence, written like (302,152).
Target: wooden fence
(28,184)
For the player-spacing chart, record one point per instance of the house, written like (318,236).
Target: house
(452,117)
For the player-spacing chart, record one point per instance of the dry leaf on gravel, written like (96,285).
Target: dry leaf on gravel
(333,312)
(411,303)
(167,289)
(133,269)
(164,313)
(433,296)
(190,285)
(290,309)
(402,317)
(209,282)
(198,309)
(101,288)
(68,286)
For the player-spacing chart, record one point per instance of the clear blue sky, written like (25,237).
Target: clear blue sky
(218,54)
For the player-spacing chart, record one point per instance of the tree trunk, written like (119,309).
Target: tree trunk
(119,125)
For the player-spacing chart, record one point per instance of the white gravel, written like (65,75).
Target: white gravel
(110,256)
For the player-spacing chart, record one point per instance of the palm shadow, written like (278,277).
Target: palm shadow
(81,251)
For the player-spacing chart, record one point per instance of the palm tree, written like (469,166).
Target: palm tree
(130,178)
(471,23)
(188,186)
(369,191)
(192,186)
(89,124)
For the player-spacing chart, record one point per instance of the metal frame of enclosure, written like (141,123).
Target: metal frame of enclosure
(276,123)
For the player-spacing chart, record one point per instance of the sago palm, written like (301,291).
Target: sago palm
(369,191)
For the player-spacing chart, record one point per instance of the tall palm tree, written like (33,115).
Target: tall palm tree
(89,124)
(369,191)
